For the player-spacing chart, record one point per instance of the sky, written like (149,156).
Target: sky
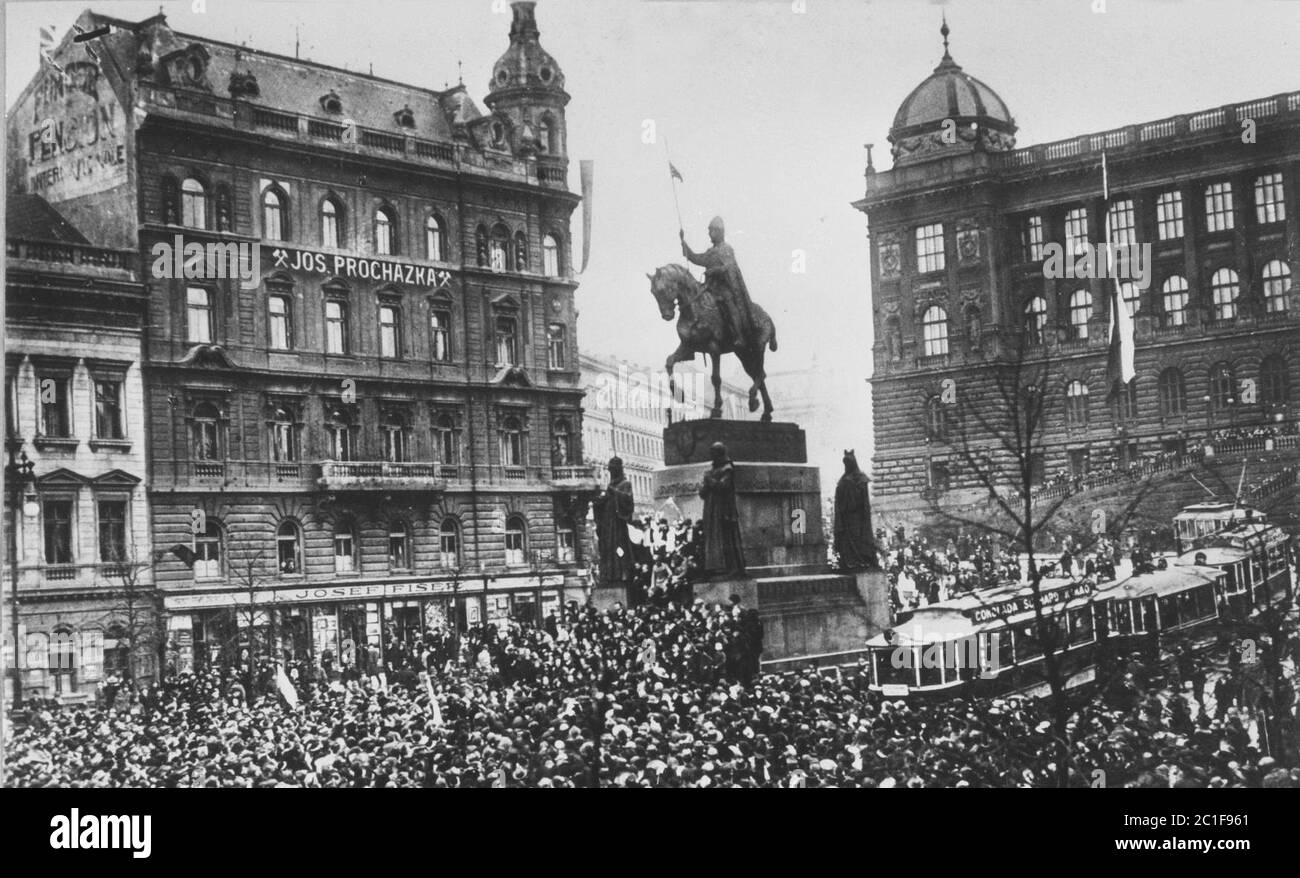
(764,110)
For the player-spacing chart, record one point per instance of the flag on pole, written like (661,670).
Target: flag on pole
(674,173)
(285,688)
(1120,369)
(587,167)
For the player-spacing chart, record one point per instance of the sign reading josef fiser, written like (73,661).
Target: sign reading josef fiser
(76,144)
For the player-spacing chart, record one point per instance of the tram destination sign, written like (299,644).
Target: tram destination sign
(363,268)
(1025,603)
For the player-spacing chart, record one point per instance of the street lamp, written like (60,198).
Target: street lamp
(22,490)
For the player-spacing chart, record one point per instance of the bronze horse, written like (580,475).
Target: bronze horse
(701,330)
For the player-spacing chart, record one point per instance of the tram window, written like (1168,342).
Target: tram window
(1204,602)
(890,675)
(1081,626)
(1027,645)
(1006,647)
(1187,606)
(1168,611)
(932,676)
(1121,617)
(1233,583)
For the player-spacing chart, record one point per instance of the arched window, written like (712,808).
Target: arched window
(500,248)
(449,542)
(1277,283)
(194,204)
(1224,288)
(565,540)
(331,223)
(1036,321)
(934,331)
(288,547)
(1221,387)
(434,239)
(512,442)
(440,334)
(399,546)
(1076,404)
(546,136)
(550,256)
(516,541)
(1124,403)
(345,548)
(336,325)
(385,232)
(521,251)
(208,551)
(1274,381)
(273,215)
(1173,393)
(284,436)
(205,433)
(561,447)
(339,433)
(393,430)
(1080,313)
(446,442)
(1174,300)
(390,330)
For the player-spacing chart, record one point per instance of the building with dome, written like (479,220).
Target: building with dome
(958,230)
(362,395)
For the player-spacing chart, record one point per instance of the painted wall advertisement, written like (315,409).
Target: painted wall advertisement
(76,137)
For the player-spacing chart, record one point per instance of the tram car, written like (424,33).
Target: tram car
(988,643)
(1201,520)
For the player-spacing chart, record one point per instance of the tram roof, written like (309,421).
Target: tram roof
(1172,580)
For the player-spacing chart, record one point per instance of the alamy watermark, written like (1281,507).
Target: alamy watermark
(957,654)
(1130,262)
(208,260)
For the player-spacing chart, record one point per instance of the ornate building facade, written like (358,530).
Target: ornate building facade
(960,227)
(360,367)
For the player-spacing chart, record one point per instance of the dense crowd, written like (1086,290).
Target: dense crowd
(656,696)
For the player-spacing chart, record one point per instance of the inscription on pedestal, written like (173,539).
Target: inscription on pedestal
(689,441)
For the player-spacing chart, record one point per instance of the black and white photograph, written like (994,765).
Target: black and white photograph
(570,394)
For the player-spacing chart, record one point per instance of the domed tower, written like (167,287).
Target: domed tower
(951,112)
(528,88)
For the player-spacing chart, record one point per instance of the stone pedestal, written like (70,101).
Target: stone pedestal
(604,597)
(778,493)
(809,612)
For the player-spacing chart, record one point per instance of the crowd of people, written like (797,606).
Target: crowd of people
(921,573)
(650,697)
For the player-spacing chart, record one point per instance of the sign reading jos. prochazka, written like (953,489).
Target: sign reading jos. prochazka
(365,268)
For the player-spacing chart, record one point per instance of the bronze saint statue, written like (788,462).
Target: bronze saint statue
(613,513)
(716,317)
(722,551)
(722,278)
(854,540)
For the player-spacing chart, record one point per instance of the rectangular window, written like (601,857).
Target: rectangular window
(1031,239)
(58,531)
(198,316)
(284,442)
(555,346)
(564,545)
(336,327)
(340,439)
(1169,215)
(505,341)
(11,404)
(929,248)
(440,335)
(394,444)
(1076,231)
(398,556)
(207,554)
(112,531)
(1218,207)
(1119,220)
(390,343)
(1270,203)
(344,552)
(56,405)
(281,334)
(108,409)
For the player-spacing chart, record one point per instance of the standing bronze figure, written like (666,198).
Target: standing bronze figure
(716,317)
(854,540)
(722,551)
(613,514)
